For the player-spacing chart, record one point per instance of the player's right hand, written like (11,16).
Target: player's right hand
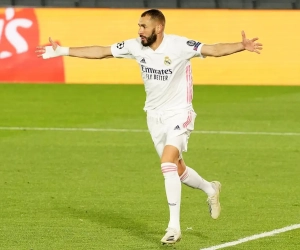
(40,50)
(51,51)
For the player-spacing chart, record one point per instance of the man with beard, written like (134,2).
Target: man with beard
(167,74)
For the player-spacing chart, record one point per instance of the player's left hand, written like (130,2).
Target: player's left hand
(251,45)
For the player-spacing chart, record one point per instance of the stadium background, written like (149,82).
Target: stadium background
(77,166)
(277,65)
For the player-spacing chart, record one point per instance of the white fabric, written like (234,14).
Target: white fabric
(171,128)
(192,179)
(60,51)
(173,193)
(166,72)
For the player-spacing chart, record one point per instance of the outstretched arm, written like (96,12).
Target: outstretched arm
(89,52)
(224,49)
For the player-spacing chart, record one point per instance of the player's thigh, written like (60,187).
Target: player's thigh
(158,136)
(179,128)
(170,154)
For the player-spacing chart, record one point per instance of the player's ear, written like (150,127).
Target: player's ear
(159,28)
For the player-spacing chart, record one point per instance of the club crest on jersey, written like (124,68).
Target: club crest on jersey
(120,45)
(167,61)
(191,42)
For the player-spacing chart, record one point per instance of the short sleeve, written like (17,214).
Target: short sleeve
(191,48)
(122,49)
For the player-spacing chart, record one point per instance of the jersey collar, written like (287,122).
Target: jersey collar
(163,45)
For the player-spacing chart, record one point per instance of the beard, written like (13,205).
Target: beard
(149,40)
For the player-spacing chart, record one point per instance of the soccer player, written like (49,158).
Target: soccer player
(166,70)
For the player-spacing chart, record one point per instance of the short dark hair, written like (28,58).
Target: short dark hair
(155,14)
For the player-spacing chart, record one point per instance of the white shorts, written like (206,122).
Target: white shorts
(171,128)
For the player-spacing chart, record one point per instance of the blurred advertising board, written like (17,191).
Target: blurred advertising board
(22,29)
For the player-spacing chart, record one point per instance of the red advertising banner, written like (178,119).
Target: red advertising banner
(19,36)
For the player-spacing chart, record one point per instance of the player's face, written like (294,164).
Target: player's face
(148,41)
(147,31)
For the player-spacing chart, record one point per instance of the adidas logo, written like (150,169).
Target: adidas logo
(177,127)
(143,60)
(171,238)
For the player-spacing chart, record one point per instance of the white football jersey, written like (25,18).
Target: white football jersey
(166,72)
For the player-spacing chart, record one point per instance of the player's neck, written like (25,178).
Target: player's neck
(157,43)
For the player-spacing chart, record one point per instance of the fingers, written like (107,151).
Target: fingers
(258,46)
(51,41)
(243,35)
(251,45)
(53,44)
(40,50)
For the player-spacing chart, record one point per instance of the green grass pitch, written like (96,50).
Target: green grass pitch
(73,190)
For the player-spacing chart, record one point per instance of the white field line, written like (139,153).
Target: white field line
(254,237)
(144,130)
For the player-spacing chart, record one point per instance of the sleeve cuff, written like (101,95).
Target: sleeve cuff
(199,51)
